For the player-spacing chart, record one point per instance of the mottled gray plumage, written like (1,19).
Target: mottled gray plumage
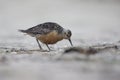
(44,28)
(48,33)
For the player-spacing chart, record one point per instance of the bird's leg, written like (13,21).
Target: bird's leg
(39,44)
(48,47)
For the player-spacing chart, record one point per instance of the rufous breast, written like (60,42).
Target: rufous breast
(50,38)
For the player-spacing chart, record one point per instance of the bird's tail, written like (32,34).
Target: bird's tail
(24,31)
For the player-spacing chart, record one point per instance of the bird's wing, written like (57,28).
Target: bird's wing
(44,28)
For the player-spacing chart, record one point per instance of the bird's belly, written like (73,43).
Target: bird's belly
(50,38)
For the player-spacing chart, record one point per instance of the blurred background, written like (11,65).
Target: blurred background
(91,22)
(91,19)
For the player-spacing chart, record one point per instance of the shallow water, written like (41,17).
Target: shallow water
(92,22)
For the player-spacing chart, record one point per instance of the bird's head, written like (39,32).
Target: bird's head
(67,35)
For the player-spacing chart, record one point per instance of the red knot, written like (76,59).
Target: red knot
(48,33)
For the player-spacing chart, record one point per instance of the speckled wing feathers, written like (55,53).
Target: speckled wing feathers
(45,28)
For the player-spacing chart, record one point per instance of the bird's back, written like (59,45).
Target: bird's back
(44,28)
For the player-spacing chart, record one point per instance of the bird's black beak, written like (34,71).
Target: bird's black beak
(70,42)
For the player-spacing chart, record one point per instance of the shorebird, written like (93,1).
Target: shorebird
(48,33)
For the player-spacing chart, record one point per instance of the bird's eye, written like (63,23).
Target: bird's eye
(65,33)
